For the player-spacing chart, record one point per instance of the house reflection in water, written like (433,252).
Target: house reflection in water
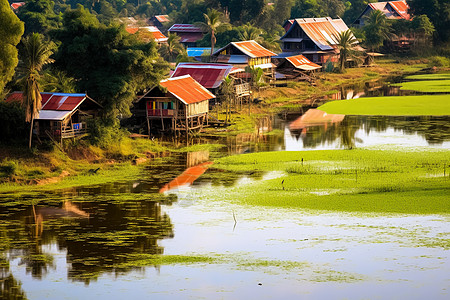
(197,164)
(314,117)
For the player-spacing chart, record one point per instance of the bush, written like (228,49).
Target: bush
(439,61)
(8,168)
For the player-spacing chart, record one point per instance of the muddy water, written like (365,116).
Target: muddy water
(93,242)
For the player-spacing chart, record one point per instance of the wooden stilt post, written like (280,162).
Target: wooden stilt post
(148,121)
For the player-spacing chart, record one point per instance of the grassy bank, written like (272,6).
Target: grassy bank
(382,181)
(426,86)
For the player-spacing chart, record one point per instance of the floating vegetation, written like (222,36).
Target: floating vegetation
(384,181)
(428,86)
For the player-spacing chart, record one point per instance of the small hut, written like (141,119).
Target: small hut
(180,103)
(297,68)
(62,115)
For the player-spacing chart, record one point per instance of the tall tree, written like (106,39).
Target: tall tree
(248,32)
(346,43)
(376,30)
(11,30)
(107,63)
(438,11)
(214,21)
(39,16)
(34,53)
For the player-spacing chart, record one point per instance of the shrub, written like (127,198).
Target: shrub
(9,168)
(439,61)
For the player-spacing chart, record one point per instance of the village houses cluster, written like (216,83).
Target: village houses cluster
(182,102)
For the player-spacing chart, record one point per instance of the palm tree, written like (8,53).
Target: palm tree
(248,32)
(214,21)
(227,91)
(346,43)
(34,54)
(172,48)
(377,30)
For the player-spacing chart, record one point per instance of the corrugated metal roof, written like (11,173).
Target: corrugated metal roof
(162,18)
(322,31)
(301,62)
(16,5)
(186,89)
(208,75)
(190,37)
(185,28)
(153,30)
(54,115)
(253,49)
(401,7)
(63,101)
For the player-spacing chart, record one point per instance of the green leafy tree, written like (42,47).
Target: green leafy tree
(244,11)
(34,53)
(11,30)
(39,16)
(106,62)
(248,32)
(423,27)
(438,11)
(307,9)
(214,22)
(57,81)
(354,8)
(346,43)
(227,91)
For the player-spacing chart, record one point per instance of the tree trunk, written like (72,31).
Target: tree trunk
(31,132)
(212,42)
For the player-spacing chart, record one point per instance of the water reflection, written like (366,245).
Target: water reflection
(99,236)
(318,130)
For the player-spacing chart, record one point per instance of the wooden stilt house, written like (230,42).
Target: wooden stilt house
(62,115)
(297,68)
(179,104)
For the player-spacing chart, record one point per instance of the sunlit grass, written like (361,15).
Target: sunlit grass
(429,76)
(433,86)
(431,105)
(347,180)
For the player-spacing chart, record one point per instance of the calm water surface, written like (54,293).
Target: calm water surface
(85,242)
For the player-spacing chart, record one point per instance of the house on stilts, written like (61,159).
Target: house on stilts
(178,103)
(297,68)
(62,115)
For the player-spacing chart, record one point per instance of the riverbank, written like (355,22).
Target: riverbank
(81,163)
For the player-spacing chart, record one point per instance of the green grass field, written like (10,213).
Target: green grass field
(428,86)
(424,105)
(382,181)
(428,76)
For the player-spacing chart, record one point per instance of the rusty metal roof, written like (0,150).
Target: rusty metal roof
(186,89)
(185,28)
(16,5)
(315,117)
(322,31)
(401,7)
(153,30)
(252,49)
(301,62)
(208,75)
(162,18)
(189,37)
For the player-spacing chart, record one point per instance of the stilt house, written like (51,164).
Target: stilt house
(246,53)
(179,103)
(391,9)
(62,115)
(314,38)
(297,67)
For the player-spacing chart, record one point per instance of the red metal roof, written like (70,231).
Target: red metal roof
(189,37)
(132,30)
(185,28)
(53,101)
(162,18)
(186,89)
(208,75)
(253,49)
(301,62)
(16,5)
(401,7)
